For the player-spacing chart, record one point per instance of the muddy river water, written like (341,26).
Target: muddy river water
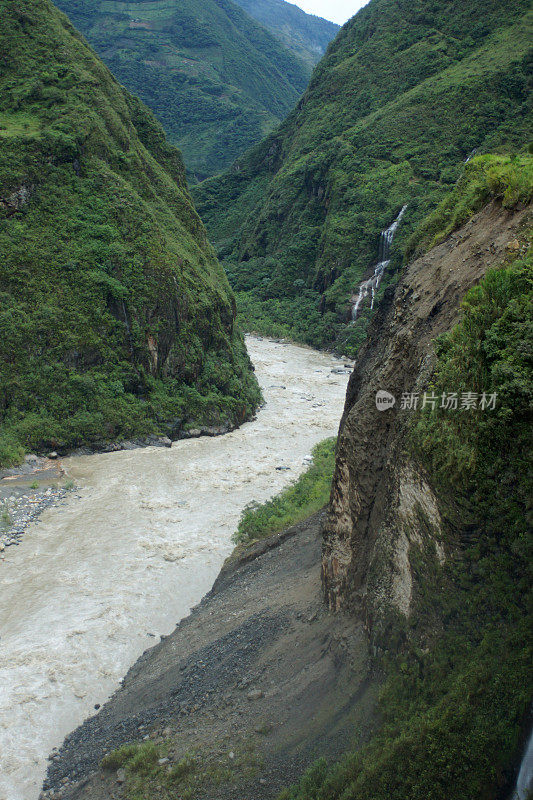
(98,579)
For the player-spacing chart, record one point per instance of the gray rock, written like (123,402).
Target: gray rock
(121,775)
(255,694)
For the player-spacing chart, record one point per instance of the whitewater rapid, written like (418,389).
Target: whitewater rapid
(98,579)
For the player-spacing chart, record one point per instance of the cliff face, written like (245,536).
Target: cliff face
(382,503)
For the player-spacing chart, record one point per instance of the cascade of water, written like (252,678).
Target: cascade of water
(372,284)
(524,783)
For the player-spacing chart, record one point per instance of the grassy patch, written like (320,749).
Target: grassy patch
(6,520)
(183,778)
(508,179)
(118,758)
(12,451)
(309,494)
(19,124)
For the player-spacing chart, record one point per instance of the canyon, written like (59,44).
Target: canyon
(262,668)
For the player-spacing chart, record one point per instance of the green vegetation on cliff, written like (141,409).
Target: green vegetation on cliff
(116,319)
(216,79)
(459,682)
(506,179)
(403,96)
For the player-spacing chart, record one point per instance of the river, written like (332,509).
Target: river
(99,578)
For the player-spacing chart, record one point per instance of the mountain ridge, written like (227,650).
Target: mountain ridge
(116,318)
(392,111)
(216,78)
(306,34)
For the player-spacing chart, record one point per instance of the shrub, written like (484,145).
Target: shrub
(307,495)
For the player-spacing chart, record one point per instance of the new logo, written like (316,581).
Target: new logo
(384,400)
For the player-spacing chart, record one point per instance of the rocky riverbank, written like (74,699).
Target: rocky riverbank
(247,691)
(25,492)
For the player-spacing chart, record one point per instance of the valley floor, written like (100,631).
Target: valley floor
(254,685)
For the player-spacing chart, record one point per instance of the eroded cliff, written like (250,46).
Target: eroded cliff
(382,502)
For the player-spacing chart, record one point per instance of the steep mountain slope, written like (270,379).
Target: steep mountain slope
(306,35)
(429,532)
(115,317)
(217,80)
(404,94)
(427,547)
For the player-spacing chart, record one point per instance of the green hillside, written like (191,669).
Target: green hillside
(306,35)
(217,80)
(403,96)
(115,317)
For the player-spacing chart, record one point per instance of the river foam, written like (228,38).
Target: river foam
(96,580)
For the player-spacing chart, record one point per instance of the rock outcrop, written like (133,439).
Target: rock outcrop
(381,501)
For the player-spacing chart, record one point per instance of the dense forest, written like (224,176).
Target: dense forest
(217,80)
(115,317)
(402,99)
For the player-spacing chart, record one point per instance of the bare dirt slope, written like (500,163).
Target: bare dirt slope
(260,679)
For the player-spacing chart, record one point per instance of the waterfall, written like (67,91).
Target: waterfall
(372,284)
(524,783)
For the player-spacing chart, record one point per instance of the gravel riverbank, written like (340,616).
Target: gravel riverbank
(27,491)
(257,682)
